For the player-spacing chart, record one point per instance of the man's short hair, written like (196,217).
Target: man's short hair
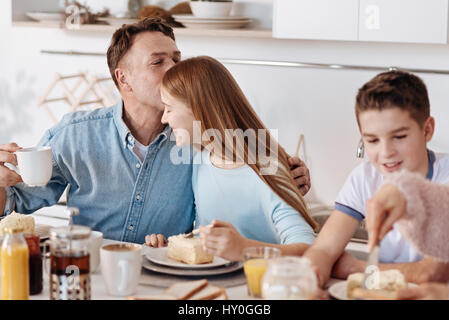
(395,89)
(122,39)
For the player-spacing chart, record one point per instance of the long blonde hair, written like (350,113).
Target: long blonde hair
(217,101)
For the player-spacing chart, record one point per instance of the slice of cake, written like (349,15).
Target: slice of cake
(187,250)
(385,286)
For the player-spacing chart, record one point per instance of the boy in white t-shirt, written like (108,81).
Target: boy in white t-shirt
(393,114)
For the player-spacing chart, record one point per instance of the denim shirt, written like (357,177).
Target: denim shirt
(115,192)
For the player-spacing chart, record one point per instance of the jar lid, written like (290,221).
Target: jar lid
(73,232)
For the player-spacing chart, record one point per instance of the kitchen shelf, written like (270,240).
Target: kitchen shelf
(238,33)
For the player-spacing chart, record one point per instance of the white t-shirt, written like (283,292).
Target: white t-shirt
(363,183)
(140,150)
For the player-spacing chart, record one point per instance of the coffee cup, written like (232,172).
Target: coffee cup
(121,265)
(34,165)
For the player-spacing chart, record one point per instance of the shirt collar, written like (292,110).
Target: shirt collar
(126,136)
(431,156)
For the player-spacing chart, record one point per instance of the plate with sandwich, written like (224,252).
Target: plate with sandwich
(25,222)
(184,253)
(390,282)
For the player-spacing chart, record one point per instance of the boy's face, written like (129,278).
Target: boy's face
(393,140)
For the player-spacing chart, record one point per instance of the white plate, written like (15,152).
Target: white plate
(191,17)
(45,16)
(231,267)
(338,290)
(208,23)
(159,256)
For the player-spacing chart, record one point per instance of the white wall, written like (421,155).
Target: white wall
(316,102)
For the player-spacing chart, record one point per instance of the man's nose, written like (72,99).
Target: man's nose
(164,118)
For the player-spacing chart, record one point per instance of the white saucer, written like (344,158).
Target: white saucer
(45,16)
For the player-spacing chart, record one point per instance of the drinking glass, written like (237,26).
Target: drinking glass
(255,264)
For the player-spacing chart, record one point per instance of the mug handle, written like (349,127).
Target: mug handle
(124,266)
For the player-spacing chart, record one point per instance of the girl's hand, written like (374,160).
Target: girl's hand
(427,291)
(155,240)
(382,211)
(221,239)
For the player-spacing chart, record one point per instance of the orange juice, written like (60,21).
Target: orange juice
(254,271)
(14,269)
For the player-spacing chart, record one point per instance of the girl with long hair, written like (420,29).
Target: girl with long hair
(243,188)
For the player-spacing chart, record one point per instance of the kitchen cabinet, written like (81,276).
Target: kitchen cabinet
(316,19)
(404,21)
(408,21)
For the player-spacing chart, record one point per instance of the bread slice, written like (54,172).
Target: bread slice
(359,293)
(389,282)
(161,296)
(184,290)
(207,293)
(187,250)
(17,220)
(222,296)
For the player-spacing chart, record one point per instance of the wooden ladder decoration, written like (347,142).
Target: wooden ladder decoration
(75,98)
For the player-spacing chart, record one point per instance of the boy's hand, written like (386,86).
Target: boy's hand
(221,239)
(155,240)
(301,174)
(8,177)
(382,211)
(427,291)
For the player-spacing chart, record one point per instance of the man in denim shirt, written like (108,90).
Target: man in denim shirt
(117,160)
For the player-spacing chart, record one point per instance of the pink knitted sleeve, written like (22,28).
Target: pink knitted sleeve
(426,221)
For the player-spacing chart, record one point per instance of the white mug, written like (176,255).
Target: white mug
(121,265)
(96,238)
(34,165)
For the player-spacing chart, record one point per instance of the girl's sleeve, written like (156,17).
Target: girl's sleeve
(426,221)
(289,223)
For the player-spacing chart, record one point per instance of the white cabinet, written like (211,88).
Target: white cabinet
(316,19)
(417,21)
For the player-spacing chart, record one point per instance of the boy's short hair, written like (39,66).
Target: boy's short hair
(395,89)
(122,39)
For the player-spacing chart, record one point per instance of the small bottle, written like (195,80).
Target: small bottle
(35,263)
(14,265)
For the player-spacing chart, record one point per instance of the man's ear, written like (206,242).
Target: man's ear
(122,80)
(429,128)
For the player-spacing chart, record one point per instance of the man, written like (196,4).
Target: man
(116,160)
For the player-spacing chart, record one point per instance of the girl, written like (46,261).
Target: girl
(241,179)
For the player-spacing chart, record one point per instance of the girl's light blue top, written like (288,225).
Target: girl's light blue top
(240,197)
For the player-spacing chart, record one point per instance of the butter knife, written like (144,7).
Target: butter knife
(371,265)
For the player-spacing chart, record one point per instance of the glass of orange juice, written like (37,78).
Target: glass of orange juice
(255,264)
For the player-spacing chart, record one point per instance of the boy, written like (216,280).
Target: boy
(393,115)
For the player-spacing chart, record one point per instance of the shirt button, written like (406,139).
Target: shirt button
(131,228)
(138,197)
(138,165)
(130,138)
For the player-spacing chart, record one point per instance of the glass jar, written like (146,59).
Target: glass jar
(69,263)
(34,263)
(14,265)
(289,278)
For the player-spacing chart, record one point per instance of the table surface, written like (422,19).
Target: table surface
(98,289)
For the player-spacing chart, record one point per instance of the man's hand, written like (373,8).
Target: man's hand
(223,240)
(8,177)
(301,174)
(155,240)
(426,291)
(382,211)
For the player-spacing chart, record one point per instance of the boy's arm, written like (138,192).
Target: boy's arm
(426,270)
(331,243)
